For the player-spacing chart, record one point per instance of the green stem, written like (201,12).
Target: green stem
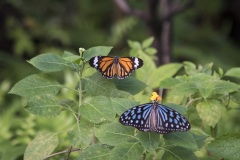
(80,90)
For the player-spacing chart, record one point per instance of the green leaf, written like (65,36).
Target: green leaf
(150,51)
(233,72)
(68,56)
(186,89)
(123,104)
(236,97)
(207,69)
(169,83)
(44,105)
(225,87)
(178,153)
(209,111)
(35,85)
(50,62)
(149,140)
(41,146)
(130,84)
(161,73)
(127,151)
(200,136)
(226,147)
(82,135)
(96,85)
(98,109)
(147,42)
(114,133)
(134,44)
(95,152)
(96,51)
(190,68)
(182,139)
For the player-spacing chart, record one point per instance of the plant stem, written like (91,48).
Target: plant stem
(69,152)
(80,90)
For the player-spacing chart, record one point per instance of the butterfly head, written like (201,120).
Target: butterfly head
(116,59)
(155,97)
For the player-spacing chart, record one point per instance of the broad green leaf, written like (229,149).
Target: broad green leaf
(149,140)
(190,68)
(44,105)
(50,62)
(182,139)
(114,133)
(35,85)
(150,51)
(127,151)
(96,85)
(144,73)
(209,111)
(123,104)
(71,57)
(81,136)
(161,73)
(169,83)
(233,72)
(134,44)
(225,87)
(178,153)
(207,69)
(96,51)
(226,147)
(41,146)
(147,42)
(185,88)
(130,84)
(98,109)
(200,136)
(95,152)
(206,88)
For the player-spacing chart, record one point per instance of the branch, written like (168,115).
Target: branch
(124,7)
(66,151)
(69,152)
(177,8)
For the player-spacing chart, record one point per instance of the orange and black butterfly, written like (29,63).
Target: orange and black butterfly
(111,66)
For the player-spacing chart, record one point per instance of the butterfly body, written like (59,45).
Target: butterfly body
(115,66)
(154,117)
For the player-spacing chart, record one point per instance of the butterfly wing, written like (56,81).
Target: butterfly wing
(126,65)
(170,120)
(137,116)
(105,65)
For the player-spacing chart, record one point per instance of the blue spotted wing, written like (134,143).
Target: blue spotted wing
(154,117)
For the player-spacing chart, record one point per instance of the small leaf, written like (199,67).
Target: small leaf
(190,68)
(44,105)
(150,51)
(130,84)
(149,140)
(71,57)
(134,44)
(95,152)
(226,147)
(179,153)
(81,136)
(177,108)
(209,111)
(41,146)
(50,62)
(98,109)
(114,133)
(127,151)
(161,73)
(186,89)
(147,42)
(123,104)
(183,139)
(233,72)
(35,85)
(96,51)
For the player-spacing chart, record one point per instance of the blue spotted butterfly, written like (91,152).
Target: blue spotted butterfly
(154,117)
